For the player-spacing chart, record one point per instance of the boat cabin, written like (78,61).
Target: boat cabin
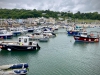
(83,34)
(26,41)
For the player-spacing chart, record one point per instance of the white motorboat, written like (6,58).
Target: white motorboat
(14,69)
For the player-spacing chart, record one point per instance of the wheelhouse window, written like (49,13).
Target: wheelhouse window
(85,33)
(25,40)
(30,39)
(19,39)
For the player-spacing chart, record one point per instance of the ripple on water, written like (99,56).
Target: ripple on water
(59,56)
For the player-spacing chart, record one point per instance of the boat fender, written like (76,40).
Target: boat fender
(9,49)
(28,47)
(89,39)
(0,46)
(36,48)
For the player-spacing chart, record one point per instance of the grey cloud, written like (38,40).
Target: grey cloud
(55,5)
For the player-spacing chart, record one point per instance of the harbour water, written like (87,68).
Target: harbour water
(61,55)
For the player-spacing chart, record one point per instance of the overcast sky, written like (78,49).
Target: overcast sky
(54,5)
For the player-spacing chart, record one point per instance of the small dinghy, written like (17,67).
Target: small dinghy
(44,39)
(14,69)
(13,72)
(14,66)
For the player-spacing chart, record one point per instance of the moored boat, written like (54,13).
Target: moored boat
(44,39)
(15,31)
(4,34)
(23,43)
(14,69)
(30,29)
(14,66)
(14,72)
(84,37)
(71,31)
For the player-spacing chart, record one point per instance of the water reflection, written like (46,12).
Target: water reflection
(18,53)
(79,43)
(17,56)
(85,45)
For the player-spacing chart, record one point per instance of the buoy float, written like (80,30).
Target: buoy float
(89,39)
(84,39)
(0,46)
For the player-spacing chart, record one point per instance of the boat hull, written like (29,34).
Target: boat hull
(31,30)
(86,39)
(14,69)
(19,47)
(6,37)
(72,33)
(44,39)
(14,66)
(16,33)
(14,72)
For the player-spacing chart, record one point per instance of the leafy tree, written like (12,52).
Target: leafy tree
(23,13)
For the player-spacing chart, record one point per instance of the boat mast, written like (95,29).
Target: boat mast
(1,21)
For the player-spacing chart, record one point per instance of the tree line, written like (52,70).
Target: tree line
(23,14)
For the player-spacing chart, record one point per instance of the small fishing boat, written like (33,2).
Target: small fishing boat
(14,72)
(55,27)
(15,31)
(71,31)
(4,34)
(23,30)
(85,37)
(14,69)
(35,36)
(50,34)
(48,31)
(30,29)
(44,39)
(14,66)
(23,43)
